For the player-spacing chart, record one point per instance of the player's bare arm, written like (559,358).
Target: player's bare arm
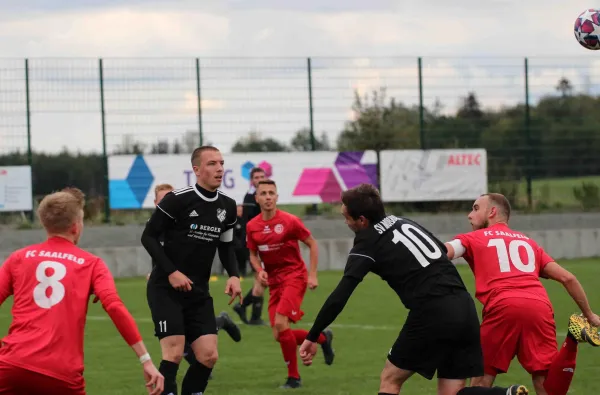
(255,262)
(105,289)
(554,271)
(161,220)
(454,249)
(311,243)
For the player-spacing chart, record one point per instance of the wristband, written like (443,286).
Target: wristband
(145,358)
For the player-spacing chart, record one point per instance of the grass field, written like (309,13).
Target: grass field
(364,332)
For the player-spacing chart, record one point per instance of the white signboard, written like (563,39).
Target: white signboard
(301,177)
(15,188)
(434,175)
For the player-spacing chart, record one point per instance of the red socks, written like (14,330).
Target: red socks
(562,369)
(287,341)
(301,334)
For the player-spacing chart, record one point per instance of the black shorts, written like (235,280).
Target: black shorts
(180,313)
(441,335)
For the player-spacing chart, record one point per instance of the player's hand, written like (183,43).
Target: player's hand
(312,281)
(148,277)
(593,319)
(234,289)
(155,382)
(263,277)
(180,281)
(308,350)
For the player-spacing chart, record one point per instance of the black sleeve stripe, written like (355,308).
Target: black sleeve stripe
(169,215)
(365,256)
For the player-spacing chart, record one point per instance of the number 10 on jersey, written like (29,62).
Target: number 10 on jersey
(421,252)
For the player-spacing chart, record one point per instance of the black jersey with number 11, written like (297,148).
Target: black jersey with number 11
(408,257)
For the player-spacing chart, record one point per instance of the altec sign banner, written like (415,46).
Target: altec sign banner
(435,175)
(301,177)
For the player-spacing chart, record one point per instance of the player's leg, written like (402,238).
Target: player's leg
(290,305)
(392,379)
(537,346)
(258,291)
(464,354)
(225,322)
(562,369)
(15,380)
(201,331)
(500,332)
(167,315)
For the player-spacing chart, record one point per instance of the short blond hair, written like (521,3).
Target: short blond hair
(162,187)
(60,210)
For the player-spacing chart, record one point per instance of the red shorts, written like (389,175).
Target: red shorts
(286,299)
(19,381)
(518,327)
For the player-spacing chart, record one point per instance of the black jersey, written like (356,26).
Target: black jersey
(407,256)
(251,208)
(190,222)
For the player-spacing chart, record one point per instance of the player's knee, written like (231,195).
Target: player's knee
(281,323)
(209,357)
(390,381)
(172,348)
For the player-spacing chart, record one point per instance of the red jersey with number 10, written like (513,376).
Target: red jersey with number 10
(506,264)
(51,283)
(276,241)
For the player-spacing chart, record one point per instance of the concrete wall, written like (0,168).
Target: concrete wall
(560,244)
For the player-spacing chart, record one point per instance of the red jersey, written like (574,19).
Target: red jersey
(276,241)
(51,283)
(506,264)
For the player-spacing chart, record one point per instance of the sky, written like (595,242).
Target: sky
(253,63)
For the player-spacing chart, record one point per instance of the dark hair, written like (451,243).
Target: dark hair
(501,201)
(364,200)
(266,182)
(198,151)
(256,170)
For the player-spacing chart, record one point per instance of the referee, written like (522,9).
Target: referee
(255,296)
(195,222)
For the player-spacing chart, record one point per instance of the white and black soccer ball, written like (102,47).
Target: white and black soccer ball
(587,29)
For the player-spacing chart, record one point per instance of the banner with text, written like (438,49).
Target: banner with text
(15,188)
(434,175)
(301,177)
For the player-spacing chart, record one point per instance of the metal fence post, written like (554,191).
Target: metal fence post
(528,151)
(313,143)
(29,151)
(104,152)
(199,96)
(421,107)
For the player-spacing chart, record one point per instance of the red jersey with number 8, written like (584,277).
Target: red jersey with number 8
(506,264)
(51,283)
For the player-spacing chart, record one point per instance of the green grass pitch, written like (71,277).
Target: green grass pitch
(363,334)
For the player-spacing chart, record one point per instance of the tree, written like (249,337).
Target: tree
(378,125)
(254,142)
(161,147)
(301,141)
(564,87)
(129,146)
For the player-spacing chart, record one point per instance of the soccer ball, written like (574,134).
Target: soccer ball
(587,29)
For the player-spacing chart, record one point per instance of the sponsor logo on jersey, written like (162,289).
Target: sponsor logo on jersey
(193,213)
(193,226)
